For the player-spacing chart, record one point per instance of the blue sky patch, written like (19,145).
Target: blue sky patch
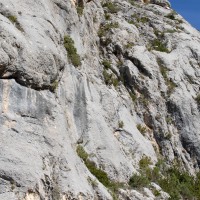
(189,9)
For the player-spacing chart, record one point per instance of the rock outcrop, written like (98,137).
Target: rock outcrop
(134,93)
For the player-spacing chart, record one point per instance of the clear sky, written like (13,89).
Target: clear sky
(189,9)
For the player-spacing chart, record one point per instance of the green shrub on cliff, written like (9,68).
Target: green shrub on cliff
(71,51)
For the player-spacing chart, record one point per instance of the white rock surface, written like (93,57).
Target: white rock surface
(41,128)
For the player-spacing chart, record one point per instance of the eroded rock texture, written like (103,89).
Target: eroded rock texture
(48,106)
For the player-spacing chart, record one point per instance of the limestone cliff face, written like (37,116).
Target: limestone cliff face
(135,93)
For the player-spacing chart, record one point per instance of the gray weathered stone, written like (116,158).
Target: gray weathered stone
(48,106)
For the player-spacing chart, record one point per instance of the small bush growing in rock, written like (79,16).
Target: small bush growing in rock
(142,129)
(132,2)
(115,82)
(107,16)
(79,10)
(171,16)
(144,100)
(171,86)
(164,71)
(168,135)
(105,28)
(13,18)
(138,181)
(169,120)
(107,77)
(145,162)
(177,183)
(109,74)
(71,51)
(98,173)
(131,22)
(180,21)
(129,45)
(143,20)
(112,7)
(156,192)
(121,124)
(143,179)
(110,79)
(159,46)
(80,7)
(106,64)
(54,86)
(82,153)
(133,96)
(198,99)
(120,63)
(16,23)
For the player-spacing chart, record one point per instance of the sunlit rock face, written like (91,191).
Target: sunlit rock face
(135,94)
